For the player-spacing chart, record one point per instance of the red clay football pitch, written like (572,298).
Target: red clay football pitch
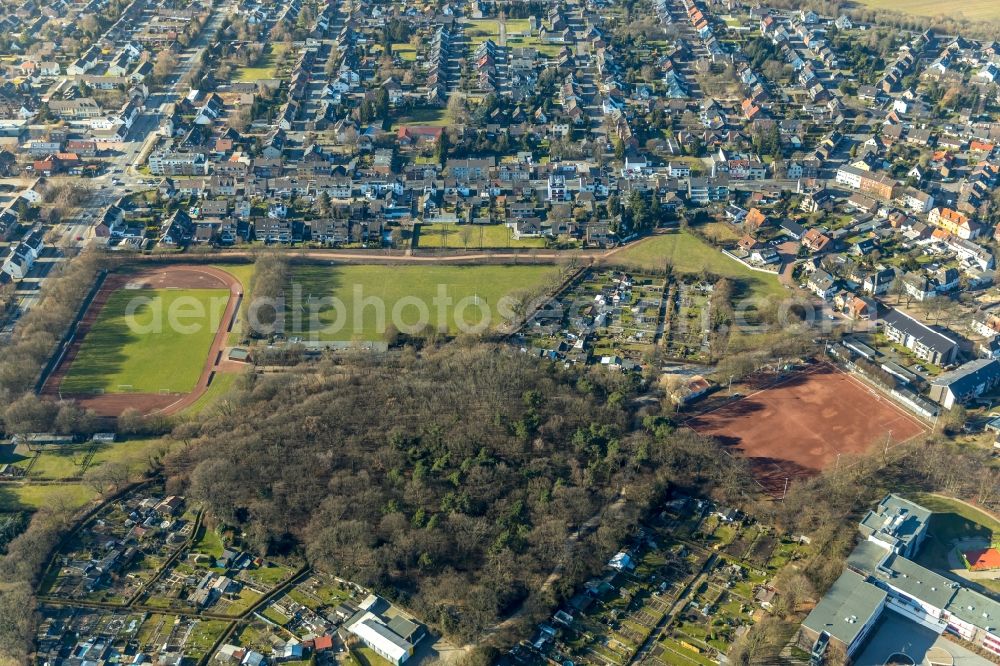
(802,424)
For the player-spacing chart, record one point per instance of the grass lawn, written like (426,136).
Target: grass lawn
(266,66)
(405,51)
(366,291)
(209,542)
(544,49)
(430,116)
(203,636)
(689,254)
(721,231)
(367,657)
(246,599)
(517,25)
(136,453)
(242,272)
(269,575)
(62,463)
(214,393)
(32,497)
(274,616)
(957,520)
(480,30)
(167,353)
(472,236)
(972,10)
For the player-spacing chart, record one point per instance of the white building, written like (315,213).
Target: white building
(557,190)
(22,256)
(375,634)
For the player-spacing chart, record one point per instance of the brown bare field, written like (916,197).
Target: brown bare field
(804,423)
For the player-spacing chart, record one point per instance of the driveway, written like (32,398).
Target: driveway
(789,252)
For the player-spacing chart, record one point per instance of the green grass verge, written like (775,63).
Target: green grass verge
(475,288)
(243,273)
(217,390)
(166,352)
(367,657)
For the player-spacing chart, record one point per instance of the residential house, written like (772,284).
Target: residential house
(879,282)
(925,342)
(815,241)
(822,284)
(955,223)
(966,382)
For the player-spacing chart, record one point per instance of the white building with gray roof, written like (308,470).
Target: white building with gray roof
(880,577)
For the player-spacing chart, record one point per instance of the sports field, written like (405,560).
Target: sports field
(145,352)
(806,423)
(971,10)
(472,237)
(369,293)
(162,362)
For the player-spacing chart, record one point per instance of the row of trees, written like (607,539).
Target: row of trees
(259,312)
(39,330)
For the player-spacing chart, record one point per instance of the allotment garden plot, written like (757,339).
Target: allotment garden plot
(694,579)
(689,332)
(610,317)
(162,554)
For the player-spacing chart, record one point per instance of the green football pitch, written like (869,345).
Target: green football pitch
(366,294)
(148,341)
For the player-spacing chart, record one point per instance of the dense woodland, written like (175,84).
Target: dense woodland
(452,481)
(455,480)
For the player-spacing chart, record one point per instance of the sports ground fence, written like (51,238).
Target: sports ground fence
(70,334)
(908,399)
